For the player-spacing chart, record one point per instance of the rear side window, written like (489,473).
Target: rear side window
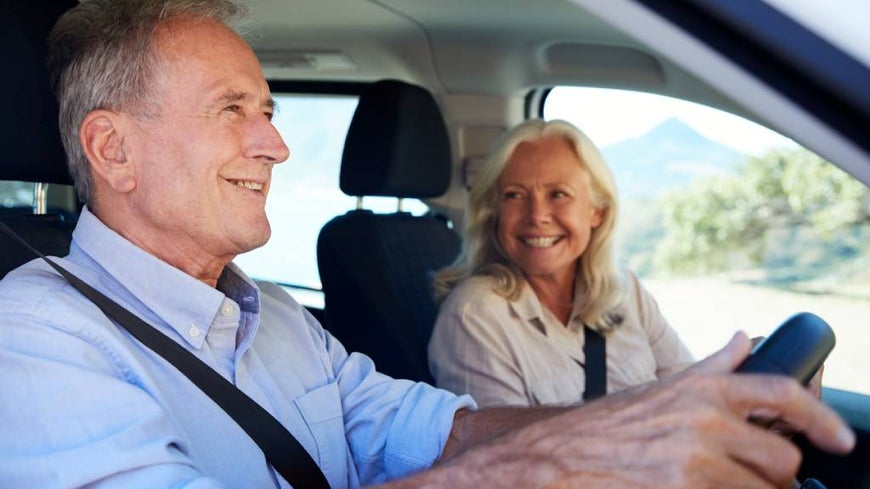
(16,194)
(730,225)
(305,192)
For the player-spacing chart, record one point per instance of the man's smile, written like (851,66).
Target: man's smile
(248,184)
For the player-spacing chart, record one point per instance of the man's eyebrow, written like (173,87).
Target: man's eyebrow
(237,96)
(231,96)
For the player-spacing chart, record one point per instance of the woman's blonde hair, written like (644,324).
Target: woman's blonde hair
(482,254)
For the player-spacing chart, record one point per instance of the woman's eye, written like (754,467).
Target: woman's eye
(558,194)
(511,195)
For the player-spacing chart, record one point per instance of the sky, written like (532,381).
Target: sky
(609,116)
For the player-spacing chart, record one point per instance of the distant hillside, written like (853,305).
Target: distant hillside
(670,155)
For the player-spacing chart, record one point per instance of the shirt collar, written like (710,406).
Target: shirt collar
(178,299)
(530,309)
(527,306)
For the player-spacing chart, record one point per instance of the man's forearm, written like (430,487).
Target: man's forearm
(471,428)
(495,463)
(686,431)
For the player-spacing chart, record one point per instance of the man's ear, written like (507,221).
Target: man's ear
(102,137)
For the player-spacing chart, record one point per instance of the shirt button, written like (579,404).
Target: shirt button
(193,332)
(226,310)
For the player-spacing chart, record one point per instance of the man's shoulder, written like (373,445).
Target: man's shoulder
(37,291)
(31,281)
(278,295)
(276,300)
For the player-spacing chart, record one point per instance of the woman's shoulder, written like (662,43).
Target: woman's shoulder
(632,293)
(474,288)
(476,285)
(631,285)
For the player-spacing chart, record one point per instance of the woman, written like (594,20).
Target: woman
(537,277)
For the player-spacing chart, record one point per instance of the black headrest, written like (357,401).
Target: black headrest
(31,150)
(397,144)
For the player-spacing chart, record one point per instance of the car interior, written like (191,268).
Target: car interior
(431,86)
(375,267)
(34,153)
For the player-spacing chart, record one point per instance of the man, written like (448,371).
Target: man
(165,116)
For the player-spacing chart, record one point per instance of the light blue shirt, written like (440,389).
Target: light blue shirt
(82,402)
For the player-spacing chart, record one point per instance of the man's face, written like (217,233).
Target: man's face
(204,163)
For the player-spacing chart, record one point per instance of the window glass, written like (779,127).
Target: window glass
(730,225)
(16,194)
(305,195)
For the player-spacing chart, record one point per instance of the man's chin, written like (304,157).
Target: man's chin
(258,241)
(253,239)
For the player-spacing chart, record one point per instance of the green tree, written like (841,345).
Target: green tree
(727,220)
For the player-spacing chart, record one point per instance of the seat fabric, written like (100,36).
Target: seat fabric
(376,269)
(32,150)
(51,234)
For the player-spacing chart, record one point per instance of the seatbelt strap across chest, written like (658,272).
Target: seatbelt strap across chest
(282,450)
(595,351)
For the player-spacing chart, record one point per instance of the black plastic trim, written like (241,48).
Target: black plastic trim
(538,95)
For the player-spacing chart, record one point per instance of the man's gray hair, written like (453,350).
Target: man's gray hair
(101,57)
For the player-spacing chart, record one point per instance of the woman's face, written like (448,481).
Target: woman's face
(545,213)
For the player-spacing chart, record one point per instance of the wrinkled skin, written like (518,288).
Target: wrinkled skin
(686,431)
(814,386)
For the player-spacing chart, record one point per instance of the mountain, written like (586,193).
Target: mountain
(669,156)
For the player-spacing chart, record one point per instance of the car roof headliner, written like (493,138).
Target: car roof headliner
(483,47)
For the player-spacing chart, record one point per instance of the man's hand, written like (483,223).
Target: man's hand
(814,386)
(687,431)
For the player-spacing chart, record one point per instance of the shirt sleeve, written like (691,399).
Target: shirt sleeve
(394,427)
(671,354)
(471,350)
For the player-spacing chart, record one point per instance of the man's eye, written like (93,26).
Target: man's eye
(236,109)
(269,115)
(511,195)
(558,194)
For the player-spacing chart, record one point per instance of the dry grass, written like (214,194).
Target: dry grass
(707,312)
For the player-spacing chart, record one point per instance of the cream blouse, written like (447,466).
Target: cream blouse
(518,353)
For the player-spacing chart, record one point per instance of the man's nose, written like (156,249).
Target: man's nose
(265,142)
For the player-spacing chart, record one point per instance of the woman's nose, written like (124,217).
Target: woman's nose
(539,210)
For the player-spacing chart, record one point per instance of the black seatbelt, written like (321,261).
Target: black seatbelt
(281,448)
(595,351)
